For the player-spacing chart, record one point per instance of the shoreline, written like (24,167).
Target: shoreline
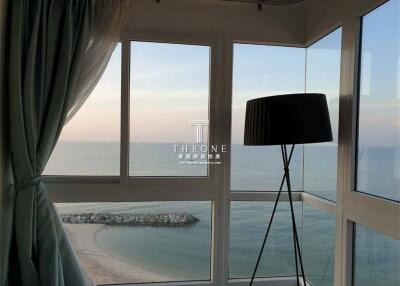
(101,265)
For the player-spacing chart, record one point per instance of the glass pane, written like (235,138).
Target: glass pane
(319,232)
(169,109)
(248,224)
(376,258)
(141,242)
(89,144)
(259,71)
(323,76)
(378,170)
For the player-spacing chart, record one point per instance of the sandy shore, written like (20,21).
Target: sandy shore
(100,264)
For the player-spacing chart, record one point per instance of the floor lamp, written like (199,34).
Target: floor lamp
(284,120)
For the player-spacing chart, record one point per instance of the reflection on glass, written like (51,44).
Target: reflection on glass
(376,258)
(137,243)
(248,224)
(378,170)
(89,143)
(319,228)
(258,71)
(323,76)
(169,90)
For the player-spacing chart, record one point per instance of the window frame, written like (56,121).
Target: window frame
(261,196)
(355,207)
(182,183)
(351,207)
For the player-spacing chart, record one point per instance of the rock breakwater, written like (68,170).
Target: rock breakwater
(168,219)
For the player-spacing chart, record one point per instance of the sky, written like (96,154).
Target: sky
(170,85)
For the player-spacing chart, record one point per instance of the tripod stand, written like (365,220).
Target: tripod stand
(297,252)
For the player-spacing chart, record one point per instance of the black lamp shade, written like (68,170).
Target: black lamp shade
(287,119)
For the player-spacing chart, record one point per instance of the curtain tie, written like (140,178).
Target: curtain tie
(30,182)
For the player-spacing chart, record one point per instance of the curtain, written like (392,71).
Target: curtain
(6,210)
(57,51)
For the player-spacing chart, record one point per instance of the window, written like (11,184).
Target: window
(258,71)
(323,76)
(168,103)
(378,169)
(89,143)
(318,253)
(133,234)
(168,93)
(247,229)
(141,242)
(269,70)
(376,254)
(376,258)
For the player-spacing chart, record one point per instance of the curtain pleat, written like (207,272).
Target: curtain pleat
(58,50)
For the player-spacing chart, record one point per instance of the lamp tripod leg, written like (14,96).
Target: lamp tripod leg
(270,222)
(295,236)
(295,256)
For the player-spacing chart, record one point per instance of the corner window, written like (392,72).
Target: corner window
(323,76)
(260,70)
(378,154)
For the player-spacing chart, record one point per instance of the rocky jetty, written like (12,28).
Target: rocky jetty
(169,219)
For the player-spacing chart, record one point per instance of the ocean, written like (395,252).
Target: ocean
(183,253)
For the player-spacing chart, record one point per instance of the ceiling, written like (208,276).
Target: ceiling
(261,3)
(268,2)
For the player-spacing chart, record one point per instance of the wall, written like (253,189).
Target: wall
(277,24)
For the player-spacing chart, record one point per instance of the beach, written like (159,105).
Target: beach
(102,266)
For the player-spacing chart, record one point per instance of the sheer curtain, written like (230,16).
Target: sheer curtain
(57,51)
(104,38)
